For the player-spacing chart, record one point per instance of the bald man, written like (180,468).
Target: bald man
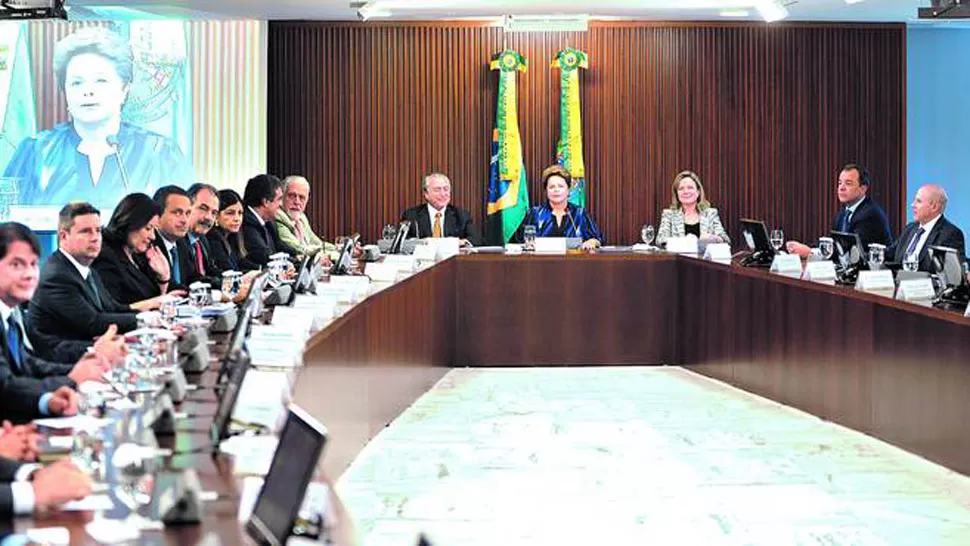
(928,228)
(291,221)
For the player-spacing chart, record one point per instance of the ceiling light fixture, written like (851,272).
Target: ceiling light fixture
(734,13)
(771,10)
(370,11)
(546,23)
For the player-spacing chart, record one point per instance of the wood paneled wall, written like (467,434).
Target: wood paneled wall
(766,114)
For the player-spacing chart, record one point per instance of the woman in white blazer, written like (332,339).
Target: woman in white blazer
(690,212)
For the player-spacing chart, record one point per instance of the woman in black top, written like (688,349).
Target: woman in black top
(225,243)
(133,269)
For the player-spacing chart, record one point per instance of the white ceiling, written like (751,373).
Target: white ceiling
(669,10)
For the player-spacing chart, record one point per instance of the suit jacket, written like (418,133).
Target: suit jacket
(66,315)
(224,250)
(8,471)
(455,223)
(51,375)
(126,281)
(944,233)
(542,217)
(260,241)
(211,272)
(869,222)
(185,256)
(672,225)
(20,396)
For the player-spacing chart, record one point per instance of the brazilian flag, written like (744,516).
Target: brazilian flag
(508,195)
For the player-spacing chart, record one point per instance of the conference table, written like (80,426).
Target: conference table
(892,369)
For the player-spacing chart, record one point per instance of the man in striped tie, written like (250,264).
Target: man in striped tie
(858,213)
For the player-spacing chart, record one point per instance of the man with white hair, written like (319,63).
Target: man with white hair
(291,221)
(928,228)
(438,217)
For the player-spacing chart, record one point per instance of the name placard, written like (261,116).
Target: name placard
(787,264)
(718,252)
(445,247)
(876,281)
(682,245)
(291,317)
(401,261)
(820,271)
(382,272)
(424,252)
(550,245)
(916,291)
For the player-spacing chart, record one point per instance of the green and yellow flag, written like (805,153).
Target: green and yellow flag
(508,195)
(569,152)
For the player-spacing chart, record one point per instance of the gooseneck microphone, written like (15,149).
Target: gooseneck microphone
(113,142)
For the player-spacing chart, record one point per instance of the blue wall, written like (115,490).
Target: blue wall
(938,116)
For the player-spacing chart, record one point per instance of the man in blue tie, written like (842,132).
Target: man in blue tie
(928,228)
(858,212)
(173,226)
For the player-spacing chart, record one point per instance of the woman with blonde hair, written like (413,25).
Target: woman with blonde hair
(690,213)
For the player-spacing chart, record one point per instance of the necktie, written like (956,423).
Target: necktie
(299,232)
(94,287)
(13,342)
(176,267)
(912,245)
(436,229)
(199,261)
(844,220)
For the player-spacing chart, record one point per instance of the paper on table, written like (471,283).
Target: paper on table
(49,535)
(92,387)
(77,422)
(247,499)
(91,502)
(60,442)
(112,531)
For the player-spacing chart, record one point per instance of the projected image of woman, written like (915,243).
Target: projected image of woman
(95,157)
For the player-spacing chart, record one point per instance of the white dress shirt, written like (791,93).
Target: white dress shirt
(83,270)
(927,228)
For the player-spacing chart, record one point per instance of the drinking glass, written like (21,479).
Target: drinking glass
(826,246)
(529,238)
(877,255)
(646,234)
(389,232)
(910,263)
(777,239)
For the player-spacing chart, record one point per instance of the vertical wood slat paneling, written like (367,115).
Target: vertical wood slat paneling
(765,114)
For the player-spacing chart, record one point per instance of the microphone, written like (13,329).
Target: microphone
(113,142)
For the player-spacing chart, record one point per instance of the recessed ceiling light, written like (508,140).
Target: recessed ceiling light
(734,13)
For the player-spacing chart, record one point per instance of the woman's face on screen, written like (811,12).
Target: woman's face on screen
(687,192)
(557,190)
(230,218)
(140,239)
(93,89)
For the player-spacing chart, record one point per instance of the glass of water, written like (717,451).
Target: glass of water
(826,247)
(529,238)
(389,232)
(910,263)
(647,234)
(877,255)
(777,239)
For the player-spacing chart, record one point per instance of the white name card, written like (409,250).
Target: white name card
(719,252)
(821,271)
(290,317)
(682,245)
(339,292)
(787,264)
(550,245)
(381,272)
(425,252)
(445,247)
(513,249)
(402,262)
(916,291)
(876,281)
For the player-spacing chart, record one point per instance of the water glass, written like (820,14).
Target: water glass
(647,234)
(826,246)
(389,232)
(777,239)
(877,255)
(529,238)
(199,294)
(231,283)
(910,263)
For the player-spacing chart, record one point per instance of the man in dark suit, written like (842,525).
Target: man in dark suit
(19,255)
(205,209)
(928,228)
(859,213)
(71,306)
(261,202)
(170,238)
(437,217)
